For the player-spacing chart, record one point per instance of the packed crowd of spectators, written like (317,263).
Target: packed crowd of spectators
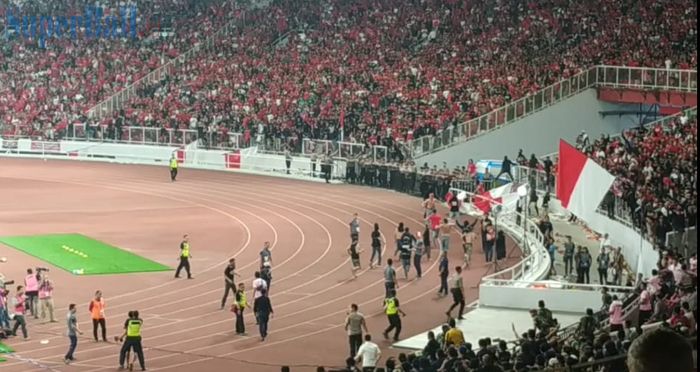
(314,68)
(656,170)
(43,90)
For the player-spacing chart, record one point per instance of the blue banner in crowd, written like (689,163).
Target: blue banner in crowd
(93,23)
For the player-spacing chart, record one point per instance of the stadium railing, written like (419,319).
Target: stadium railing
(535,264)
(598,76)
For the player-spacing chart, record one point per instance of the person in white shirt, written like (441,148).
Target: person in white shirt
(369,354)
(258,285)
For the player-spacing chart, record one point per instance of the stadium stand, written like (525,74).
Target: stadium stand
(378,73)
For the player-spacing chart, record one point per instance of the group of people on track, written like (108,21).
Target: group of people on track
(410,248)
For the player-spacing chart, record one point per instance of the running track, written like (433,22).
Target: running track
(226,215)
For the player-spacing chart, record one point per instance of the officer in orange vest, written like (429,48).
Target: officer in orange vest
(97,311)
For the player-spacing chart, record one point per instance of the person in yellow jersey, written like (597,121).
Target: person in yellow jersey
(185,256)
(454,336)
(394,313)
(173,168)
(132,332)
(238,308)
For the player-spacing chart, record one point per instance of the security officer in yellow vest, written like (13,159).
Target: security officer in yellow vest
(173,168)
(132,332)
(184,257)
(240,306)
(394,314)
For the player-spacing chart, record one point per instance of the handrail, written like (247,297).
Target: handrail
(613,76)
(535,263)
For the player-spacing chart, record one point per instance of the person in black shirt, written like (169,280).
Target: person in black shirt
(376,246)
(262,307)
(407,242)
(229,280)
(431,347)
(505,168)
(266,275)
(548,165)
(355,258)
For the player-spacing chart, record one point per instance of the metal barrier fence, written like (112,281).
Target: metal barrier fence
(609,76)
(151,136)
(536,262)
(685,241)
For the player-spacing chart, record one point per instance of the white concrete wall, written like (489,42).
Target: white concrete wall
(539,133)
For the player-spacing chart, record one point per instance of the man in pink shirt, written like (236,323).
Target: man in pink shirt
(617,323)
(645,306)
(31,284)
(46,299)
(18,305)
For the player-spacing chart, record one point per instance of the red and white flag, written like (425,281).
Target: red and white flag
(505,195)
(581,183)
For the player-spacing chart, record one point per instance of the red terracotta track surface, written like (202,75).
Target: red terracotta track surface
(226,215)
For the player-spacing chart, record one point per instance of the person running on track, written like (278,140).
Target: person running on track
(376,247)
(355,258)
(445,229)
(229,280)
(390,283)
(468,237)
(434,220)
(407,243)
(418,254)
(394,313)
(429,205)
(397,237)
(354,228)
